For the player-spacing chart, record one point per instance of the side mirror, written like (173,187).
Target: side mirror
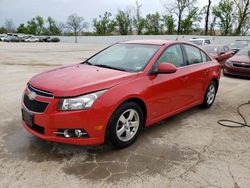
(166,68)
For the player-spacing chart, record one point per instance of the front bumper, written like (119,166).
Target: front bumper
(74,141)
(236,71)
(92,121)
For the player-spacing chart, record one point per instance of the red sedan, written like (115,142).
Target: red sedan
(118,91)
(239,64)
(219,52)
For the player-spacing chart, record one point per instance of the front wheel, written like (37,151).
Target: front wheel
(210,95)
(125,125)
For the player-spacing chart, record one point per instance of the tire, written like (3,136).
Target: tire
(125,125)
(210,94)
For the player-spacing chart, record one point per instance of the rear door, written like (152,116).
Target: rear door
(199,65)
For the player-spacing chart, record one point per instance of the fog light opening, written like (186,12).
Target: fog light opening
(79,133)
(71,133)
(66,133)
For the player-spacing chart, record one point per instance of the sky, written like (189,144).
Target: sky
(20,11)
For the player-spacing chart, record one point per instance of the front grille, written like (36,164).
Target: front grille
(240,65)
(37,128)
(40,92)
(34,105)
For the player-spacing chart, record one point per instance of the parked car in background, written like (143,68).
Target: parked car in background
(200,41)
(22,38)
(2,37)
(239,64)
(54,39)
(238,45)
(219,52)
(11,38)
(118,91)
(32,39)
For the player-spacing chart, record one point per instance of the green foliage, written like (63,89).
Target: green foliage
(153,24)
(22,29)
(53,28)
(123,22)
(3,30)
(242,16)
(105,25)
(36,26)
(169,24)
(225,12)
(189,24)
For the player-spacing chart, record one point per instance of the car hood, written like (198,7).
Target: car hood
(79,79)
(240,59)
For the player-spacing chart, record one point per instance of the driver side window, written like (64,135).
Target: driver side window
(172,54)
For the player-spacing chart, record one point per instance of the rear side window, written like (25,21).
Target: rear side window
(205,58)
(172,54)
(193,55)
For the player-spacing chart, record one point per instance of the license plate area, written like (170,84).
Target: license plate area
(27,118)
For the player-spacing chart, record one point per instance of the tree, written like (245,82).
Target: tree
(22,29)
(153,24)
(53,27)
(189,24)
(179,8)
(32,26)
(9,25)
(124,22)
(138,21)
(212,25)
(76,24)
(40,25)
(169,23)
(105,25)
(3,30)
(242,14)
(225,12)
(207,16)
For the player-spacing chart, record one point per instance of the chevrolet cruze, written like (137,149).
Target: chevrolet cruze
(112,95)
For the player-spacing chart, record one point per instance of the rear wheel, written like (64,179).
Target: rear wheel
(210,94)
(125,124)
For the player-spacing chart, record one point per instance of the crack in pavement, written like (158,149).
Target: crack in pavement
(231,174)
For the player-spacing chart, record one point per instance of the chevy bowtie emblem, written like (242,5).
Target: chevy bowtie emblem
(32,95)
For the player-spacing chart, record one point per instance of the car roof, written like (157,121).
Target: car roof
(214,45)
(150,42)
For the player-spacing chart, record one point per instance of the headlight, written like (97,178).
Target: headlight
(79,103)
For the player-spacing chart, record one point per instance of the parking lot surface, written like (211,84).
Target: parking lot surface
(187,150)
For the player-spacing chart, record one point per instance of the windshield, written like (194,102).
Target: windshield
(244,52)
(126,57)
(197,42)
(211,49)
(239,44)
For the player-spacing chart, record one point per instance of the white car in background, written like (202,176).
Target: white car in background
(31,39)
(2,37)
(200,41)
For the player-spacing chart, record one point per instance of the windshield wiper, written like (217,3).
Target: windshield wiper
(110,67)
(87,63)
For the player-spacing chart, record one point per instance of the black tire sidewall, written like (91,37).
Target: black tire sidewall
(111,130)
